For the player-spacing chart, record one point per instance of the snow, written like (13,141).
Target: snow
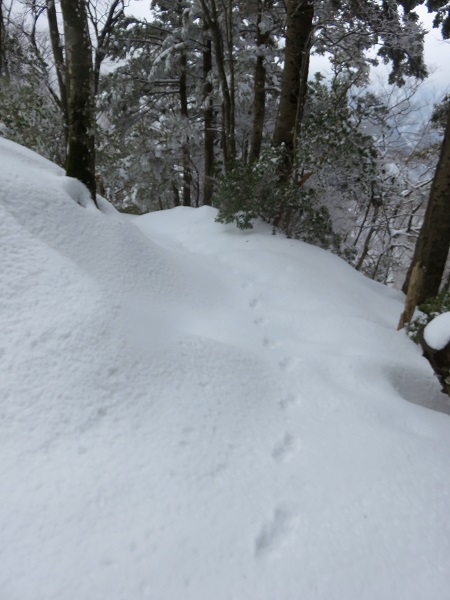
(437,332)
(192,412)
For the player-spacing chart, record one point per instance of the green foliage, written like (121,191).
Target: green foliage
(430,309)
(440,113)
(331,140)
(245,194)
(252,191)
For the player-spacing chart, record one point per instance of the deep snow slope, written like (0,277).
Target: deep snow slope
(190,412)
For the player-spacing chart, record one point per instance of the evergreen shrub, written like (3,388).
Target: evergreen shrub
(251,191)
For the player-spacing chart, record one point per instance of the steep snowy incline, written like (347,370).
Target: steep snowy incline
(191,412)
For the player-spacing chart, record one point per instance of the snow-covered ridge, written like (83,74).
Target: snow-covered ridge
(190,412)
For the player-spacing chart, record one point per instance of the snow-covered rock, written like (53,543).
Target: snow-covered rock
(437,333)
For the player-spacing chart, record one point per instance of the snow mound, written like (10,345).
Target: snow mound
(437,332)
(191,412)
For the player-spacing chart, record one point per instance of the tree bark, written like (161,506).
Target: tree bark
(80,161)
(58,55)
(208,119)
(414,288)
(187,172)
(299,26)
(229,135)
(259,98)
(3,60)
(434,238)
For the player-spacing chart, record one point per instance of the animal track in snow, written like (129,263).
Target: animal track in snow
(290,401)
(285,449)
(254,303)
(290,363)
(276,533)
(260,321)
(272,344)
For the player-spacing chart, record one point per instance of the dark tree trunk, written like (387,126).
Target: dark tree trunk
(187,171)
(3,60)
(80,161)
(176,194)
(299,26)
(58,55)
(231,116)
(259,99)
(434,238)
(208,118)
(228,119)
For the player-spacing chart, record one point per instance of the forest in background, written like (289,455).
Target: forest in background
(213,102)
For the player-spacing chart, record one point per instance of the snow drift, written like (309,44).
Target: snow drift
(188,411)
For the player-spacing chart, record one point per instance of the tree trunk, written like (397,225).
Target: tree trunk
(434,238)
(80,161)
(231,117)
(208,120)
(229,136)
(58,55)
(299,26)
(3,60)
(176,193)
(187,172)
(259,99)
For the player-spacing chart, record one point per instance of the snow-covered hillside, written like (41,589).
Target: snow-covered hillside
(190,412)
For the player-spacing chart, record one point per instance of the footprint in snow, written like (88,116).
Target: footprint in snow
(276,533)
(285,448)
(290,401)
(289,364)
(260,321)
(254,303)
(272,344)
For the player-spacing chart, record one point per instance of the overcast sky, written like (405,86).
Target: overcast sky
(437,52)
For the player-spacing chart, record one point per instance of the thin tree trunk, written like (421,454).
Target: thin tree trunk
(434,238)
(3,60)
(58,55)
(103,38)
(367,241)
(208,119)
(231,118)
(176,193)
(80,161)
(187,172)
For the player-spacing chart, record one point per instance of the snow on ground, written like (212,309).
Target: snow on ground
(191,412)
